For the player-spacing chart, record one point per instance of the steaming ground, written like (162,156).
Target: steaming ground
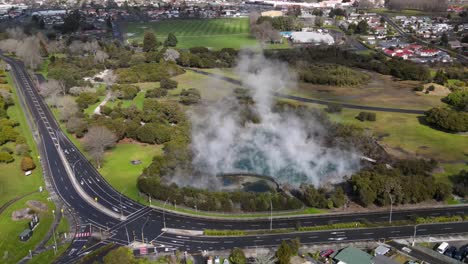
(283,146)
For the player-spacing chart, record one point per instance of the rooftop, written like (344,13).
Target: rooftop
(351,255)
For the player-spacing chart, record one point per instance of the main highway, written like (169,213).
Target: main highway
(96,204)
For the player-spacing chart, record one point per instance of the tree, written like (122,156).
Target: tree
(100,56)
(71,22)
(97,140)
(29,52)
(51,88)
(27,164)
(362,27)
(67,107)
(284,253)
(338,197)
(6,157)
(171,55)
(171,40)
(149,41)
(440,77)
(121,255)
(237,256)
(444,39)
(22,149)
(168,84)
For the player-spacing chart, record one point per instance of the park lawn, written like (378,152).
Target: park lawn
(209,87)
(13,182)
(212,33)
(404,12)
(11,248)
(120,173)
(49,256)
(404,133)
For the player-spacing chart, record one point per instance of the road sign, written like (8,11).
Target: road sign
(143,251)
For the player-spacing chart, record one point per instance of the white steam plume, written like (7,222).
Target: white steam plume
(284,146)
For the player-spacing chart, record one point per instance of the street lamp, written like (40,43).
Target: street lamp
(142,236)
(164,213)
(271,215)
(391,207)
(414,235)
(53,230)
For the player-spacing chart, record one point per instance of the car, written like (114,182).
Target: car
(442,247)
(450,251)
(407,250)
(458,254)
(326,253)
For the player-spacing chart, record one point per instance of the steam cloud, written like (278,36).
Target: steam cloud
(284,146)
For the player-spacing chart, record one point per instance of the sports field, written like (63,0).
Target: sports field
(213,33)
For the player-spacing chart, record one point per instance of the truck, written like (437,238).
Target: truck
(442,247)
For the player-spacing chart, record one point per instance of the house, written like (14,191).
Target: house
(300,37)
(454,44)
(381,250)
(272,13)
(351,255)
(427,52)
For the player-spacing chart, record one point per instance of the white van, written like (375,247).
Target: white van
(442,247)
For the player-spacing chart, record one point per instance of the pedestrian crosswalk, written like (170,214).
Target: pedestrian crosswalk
(84,234)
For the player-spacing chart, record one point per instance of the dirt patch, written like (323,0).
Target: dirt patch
(22,214)
(37,206)
(435,89)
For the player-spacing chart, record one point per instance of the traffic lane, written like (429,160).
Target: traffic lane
(64,186)
(193,244)
(174,220)
(86,172)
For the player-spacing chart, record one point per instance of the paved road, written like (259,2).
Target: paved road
(317,101)
(145,224)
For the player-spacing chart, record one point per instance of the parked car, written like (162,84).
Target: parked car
(450,251)
(326,253)
(458,254)
(442,247)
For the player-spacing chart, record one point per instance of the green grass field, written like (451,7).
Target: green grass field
(213,33)
(120,173)
(14,183)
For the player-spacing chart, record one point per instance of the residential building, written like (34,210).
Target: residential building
(351,255)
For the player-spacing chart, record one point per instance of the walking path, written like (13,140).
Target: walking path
(12,201)
(97,111)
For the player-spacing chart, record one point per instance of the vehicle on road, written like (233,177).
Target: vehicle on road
(442,247)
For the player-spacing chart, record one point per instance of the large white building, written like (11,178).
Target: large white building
(300,37)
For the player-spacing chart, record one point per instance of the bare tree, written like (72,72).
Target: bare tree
(171,55)
(265,32)
(77,90)
(265,259)
(51,88)
(67,107)
(56,46)
(109,78)
(16,33)
(9,45)
(253,17)
(91,47)
(100,56)
(76,47)
(97,140)
(29,52)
